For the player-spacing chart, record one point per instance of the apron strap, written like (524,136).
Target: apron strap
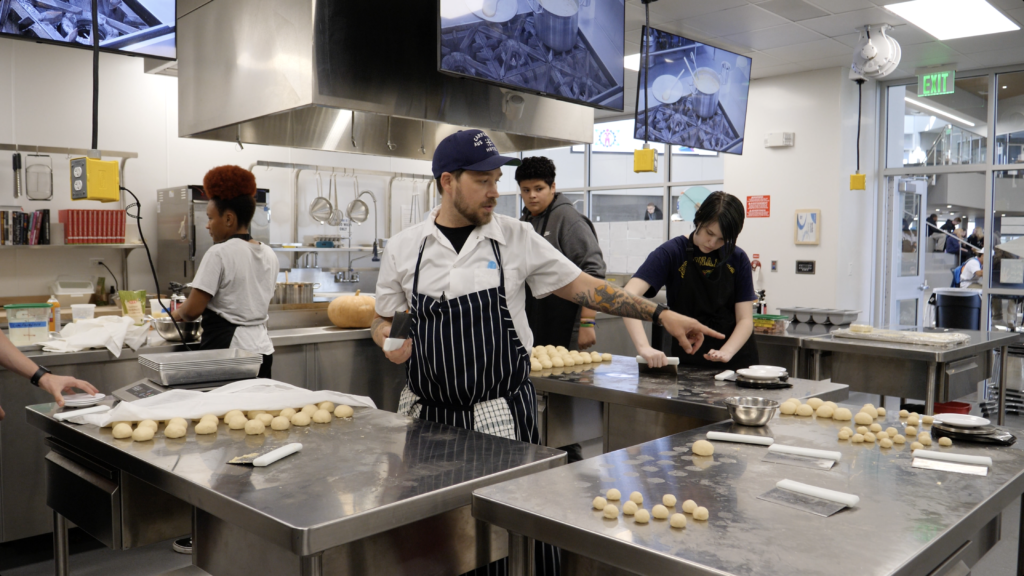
(416,275)
(501,269)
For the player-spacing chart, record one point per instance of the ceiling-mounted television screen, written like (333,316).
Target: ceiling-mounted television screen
(696,94)
(567,49)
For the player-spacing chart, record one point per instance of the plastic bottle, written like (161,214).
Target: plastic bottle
(54,325)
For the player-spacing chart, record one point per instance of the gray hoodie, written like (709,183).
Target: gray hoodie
(571,233)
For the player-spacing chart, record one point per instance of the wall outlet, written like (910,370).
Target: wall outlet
(96,261)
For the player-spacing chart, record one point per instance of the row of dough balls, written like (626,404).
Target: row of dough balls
(886,438)
(253,422)
(543,357)
(816,406)
(632,507)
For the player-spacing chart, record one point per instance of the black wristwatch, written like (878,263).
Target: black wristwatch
(655,318)
(39,375)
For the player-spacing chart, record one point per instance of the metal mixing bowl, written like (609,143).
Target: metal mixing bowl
(190,330)
(751,410)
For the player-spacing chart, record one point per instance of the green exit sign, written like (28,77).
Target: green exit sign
(936,83)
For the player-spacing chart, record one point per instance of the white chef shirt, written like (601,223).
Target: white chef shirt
(525,255)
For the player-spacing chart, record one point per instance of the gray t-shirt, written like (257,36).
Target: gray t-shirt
(241,277)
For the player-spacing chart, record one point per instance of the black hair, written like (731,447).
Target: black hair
(243,206)
(536,168)
(727,210)
(455,174)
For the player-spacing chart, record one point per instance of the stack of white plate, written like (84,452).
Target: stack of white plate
(82,400)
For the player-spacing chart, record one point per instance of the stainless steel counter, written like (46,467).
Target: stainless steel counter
(909,521)
(372,474)
(639,407)
(787,349)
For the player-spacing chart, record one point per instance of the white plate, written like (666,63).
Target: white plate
(962,420)
(504,11)
(765,368)
(79,400)
(751,374)
(667,90)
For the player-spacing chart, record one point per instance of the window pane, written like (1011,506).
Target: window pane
(577,202)
(908,312)
(626,238)
(508,204)
(568,165)
(1007,312)
(937,130)
(684,203)
(1010,118)
(1007,251)
(909,253)
(611,160)
(690,165)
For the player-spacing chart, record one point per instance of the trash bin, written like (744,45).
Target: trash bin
(958,308)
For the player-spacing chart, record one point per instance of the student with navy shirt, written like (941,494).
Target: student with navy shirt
(707,278)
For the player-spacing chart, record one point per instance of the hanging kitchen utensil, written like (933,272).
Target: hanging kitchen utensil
(320,208)
(39,178)
(336,215)
(357,210)
(16,165)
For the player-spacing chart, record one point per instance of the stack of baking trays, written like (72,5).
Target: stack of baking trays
(183,368)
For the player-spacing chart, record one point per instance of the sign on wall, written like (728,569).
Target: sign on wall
(936,83)
(759,206)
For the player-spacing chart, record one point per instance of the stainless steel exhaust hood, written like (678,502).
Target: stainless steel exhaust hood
(345,76)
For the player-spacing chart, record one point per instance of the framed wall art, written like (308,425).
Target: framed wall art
(808,227)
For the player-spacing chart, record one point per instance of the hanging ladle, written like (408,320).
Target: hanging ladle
(320,209)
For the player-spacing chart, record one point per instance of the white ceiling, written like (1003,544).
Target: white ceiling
(786,36)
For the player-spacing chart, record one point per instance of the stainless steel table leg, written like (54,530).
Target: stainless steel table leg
(520,555)
(796,363)
(606,426)
(312,565)
(60,545)
(1020,540)
(929,401)
(1003,352)
(817,366)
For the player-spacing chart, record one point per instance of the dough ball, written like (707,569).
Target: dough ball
(881,412)
(659,512)
(927,420)
(913,420)
(904,414)
(677,521)
(600,503)
(237,422)
(326,405)
(642,516)
(149,424)
(794,401)
(595,357)
(206,427)
(611,512)
(703,448)
(122,430)
(910,431)
(629,508)
(917,446)
(863,418)
(701,513)
(899,439)
(606,357)
(143,433)
(636,497)
(266,418)
(584,358)
(861,329)
(535,365)
(344,411)
(280,423)
(557,362)
(254,427)
(274,413)
(567,361)
(669,500)
(231,414)
(788,408)
(885,443)
(891,431)
(945,441)
(857,438)
(869,438)
(815,403)
(869,409)
(847,428)
(288,412)
(209,418)
(546,364)
(881,434)
(174,431)
(824,411)
(310,409)
(804,410)
(924,439)
(862,430)
(613,494)
(322,417)
(252,414)
(876,427)
(561,349)
(844,434)
(181,421)
(689,506)
(842,415)
(301,419)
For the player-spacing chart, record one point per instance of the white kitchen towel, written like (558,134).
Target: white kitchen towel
(244,395)
(110,332)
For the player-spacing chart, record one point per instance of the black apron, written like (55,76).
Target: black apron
(711,300)
(469,369)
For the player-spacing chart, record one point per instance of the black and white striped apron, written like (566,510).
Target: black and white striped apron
(469,369)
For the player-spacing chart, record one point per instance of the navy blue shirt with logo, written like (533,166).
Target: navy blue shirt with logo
(665,268)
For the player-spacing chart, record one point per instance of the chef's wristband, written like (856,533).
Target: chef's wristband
(656,317)
(585,324)
(42,371)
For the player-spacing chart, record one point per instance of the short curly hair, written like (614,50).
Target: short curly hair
(536,168)
(232,188)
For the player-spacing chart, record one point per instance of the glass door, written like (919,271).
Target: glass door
(907,286)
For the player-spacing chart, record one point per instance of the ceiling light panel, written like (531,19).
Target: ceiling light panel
(948,19)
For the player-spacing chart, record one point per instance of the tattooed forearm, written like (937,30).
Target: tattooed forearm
(375,330)
(611,299)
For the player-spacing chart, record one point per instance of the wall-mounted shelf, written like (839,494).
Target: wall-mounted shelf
(48,246)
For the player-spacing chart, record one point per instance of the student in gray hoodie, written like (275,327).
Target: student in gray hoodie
(555,321)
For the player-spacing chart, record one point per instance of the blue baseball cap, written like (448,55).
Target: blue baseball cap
(469,150)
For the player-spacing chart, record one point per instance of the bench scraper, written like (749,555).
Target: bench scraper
(671,367)
(267,456)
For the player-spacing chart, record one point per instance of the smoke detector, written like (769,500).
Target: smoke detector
(876,55)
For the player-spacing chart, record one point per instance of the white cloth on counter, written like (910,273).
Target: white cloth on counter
(110,332)
(245,395)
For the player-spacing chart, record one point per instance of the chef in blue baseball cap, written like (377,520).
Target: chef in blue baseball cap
(461,275)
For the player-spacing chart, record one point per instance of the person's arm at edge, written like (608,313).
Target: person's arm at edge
(193,307)
(380,329)
(655,358)
(580,245)
(13,359)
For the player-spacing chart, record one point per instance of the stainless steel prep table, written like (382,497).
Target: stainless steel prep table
(625,407)
(378,493)
(909,521)
(787,349)
(912,371)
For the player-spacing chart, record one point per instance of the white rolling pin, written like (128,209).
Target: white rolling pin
(271,457)
(951,457)
(741,438)
(809,452)
(61,416)
(669,361)
(823,493)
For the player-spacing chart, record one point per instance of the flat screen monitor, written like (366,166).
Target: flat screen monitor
(141,27)
(566,49)
(696,94)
